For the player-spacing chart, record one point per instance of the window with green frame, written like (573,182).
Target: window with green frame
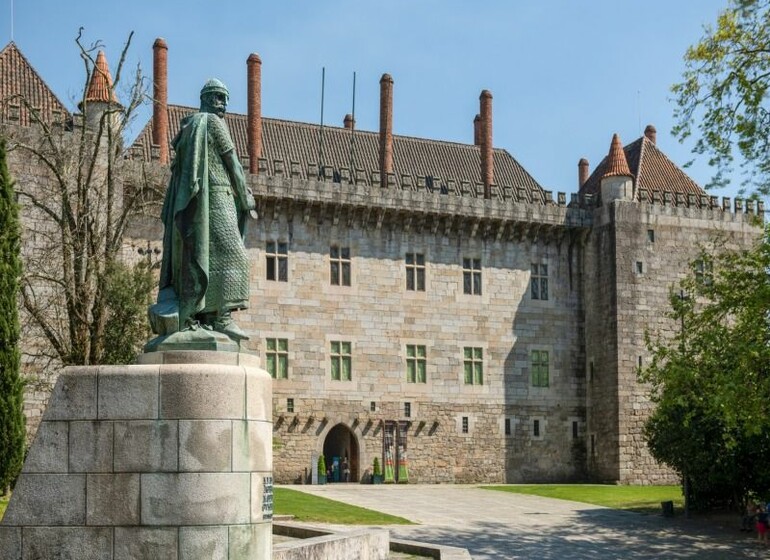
(277,357)
(473,361)
(539,368)
(416,362)
(342,361)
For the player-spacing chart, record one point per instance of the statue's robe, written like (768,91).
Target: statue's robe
(204,269)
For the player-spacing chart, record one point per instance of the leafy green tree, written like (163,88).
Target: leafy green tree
(11,386)
(711,381)
(723,95)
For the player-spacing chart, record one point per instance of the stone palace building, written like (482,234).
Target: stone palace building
(429,303)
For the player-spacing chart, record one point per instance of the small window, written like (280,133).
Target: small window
(591,370)
(539,281)
(289,405)
(473,362)
(339,265)
(639,361)
(639,267)
(373,406)
(472,276)
(415,272)
(407,410)
(341,361)
(465,424)
(574,430)
(14,111)
(704,271)
(416,363)
(593,444)
(651,235)
(277,357)
(540,368)
(536,428)
(507,426)
(277,261)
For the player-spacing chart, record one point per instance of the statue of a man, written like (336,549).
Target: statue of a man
(205,273)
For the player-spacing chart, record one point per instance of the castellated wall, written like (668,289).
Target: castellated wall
(380,317)
(636,254)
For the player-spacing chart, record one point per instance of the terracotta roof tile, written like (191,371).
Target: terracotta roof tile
(19,80)
(100,84)
(299,142)
(650,169)
(617,165)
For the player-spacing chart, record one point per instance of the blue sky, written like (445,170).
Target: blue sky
(565,74)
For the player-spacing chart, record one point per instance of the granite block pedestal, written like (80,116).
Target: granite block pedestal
(167,459)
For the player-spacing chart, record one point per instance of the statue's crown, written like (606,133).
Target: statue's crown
(214,86)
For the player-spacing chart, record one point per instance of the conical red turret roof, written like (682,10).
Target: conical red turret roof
(617,164)
(100,84)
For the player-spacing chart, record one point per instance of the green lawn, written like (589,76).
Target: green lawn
(3,504)
(305,507)
(642,499)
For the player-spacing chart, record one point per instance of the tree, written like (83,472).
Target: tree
(711,381)
(11,385)
(77,221)
(723,95)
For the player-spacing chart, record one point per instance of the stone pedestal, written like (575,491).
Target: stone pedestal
(167,459)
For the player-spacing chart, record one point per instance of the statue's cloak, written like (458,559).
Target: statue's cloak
(185,214)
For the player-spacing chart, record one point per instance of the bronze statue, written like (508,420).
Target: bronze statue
(205,272)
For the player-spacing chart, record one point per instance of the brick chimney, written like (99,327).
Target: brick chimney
(651,133)
(349,122)
(583,172)
(477,130)
(386,128)
(160,98)
(254,110)
(487,161)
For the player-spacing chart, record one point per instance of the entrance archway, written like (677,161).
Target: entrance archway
(340,444)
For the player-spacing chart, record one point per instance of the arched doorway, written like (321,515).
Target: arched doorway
(341,444)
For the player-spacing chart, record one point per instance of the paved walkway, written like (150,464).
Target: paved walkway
(499,525)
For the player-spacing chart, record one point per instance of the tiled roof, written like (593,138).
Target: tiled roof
(19,79)
(295,141)
(100,84)
(617,165)
(650,169)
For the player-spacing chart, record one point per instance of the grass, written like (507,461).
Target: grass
(4,504)
(641,499)
(305,507)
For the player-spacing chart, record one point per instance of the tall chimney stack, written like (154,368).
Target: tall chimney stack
(254,110)
(160,98)
(582,172)
(349,122)
(651,133)
(487,161)
(386,128)
(477,130)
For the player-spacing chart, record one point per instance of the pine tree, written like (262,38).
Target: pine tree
(11,385)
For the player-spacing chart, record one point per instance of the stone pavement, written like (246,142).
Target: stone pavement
(499,525)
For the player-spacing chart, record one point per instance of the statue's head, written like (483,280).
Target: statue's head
(214,97)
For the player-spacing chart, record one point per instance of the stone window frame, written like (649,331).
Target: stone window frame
(538,280)
(276,255)
(465,425)
(536,360)
(290,405)
(650,235)
(473,360)
(341,257)
(472,276)
(465,419)
(703,267)
(416,359)
(416,271)
(407,409)
(278,355)
(342,355)
(538,424)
